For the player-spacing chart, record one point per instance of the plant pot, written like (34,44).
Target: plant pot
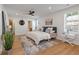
(10,52)
(8,48)
(8,40)
(5,52)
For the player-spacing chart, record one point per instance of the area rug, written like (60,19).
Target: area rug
(31,49)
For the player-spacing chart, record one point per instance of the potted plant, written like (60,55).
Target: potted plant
(8,41)
(8,37)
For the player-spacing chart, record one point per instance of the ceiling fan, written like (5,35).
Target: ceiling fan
(31,12)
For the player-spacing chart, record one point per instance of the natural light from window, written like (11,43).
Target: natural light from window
(71,23)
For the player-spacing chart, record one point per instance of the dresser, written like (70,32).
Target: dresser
(53,35)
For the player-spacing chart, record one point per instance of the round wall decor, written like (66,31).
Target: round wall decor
(21,22)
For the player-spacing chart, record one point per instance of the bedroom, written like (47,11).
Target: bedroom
(41,27)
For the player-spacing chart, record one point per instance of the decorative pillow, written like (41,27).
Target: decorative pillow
(48,30)
(44,29)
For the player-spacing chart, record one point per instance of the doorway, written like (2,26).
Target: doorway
(30,25)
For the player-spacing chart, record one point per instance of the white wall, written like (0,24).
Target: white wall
(58,19)
(0,20)
(41,22)
(21,30)
(6,16)
(0,28)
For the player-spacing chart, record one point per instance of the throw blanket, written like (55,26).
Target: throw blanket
(37,36)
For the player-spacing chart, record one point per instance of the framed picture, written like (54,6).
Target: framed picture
(49,22)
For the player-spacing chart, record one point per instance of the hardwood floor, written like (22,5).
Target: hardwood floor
(17,48)
(60,48)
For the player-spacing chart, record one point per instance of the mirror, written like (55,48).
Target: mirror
(21,22)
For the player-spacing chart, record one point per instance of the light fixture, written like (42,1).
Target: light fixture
(17,14)
(10,26)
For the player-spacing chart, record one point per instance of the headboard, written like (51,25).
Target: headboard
(53,28)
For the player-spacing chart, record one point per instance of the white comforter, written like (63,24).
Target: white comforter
(37,36)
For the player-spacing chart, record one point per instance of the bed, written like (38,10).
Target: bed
(38,36)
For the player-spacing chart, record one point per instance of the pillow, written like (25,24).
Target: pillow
(48,30)
(44,29)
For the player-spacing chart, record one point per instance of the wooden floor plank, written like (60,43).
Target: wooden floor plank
(60,48)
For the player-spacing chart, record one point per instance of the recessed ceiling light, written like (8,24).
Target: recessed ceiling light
(50,8)
(17,14)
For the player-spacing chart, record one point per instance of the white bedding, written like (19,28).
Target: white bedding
(37,36)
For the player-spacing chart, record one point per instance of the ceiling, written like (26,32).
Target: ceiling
(40,9)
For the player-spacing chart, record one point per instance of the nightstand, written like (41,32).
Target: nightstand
(53,35)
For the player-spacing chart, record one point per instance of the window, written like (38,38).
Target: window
(71,22)
(35,24)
